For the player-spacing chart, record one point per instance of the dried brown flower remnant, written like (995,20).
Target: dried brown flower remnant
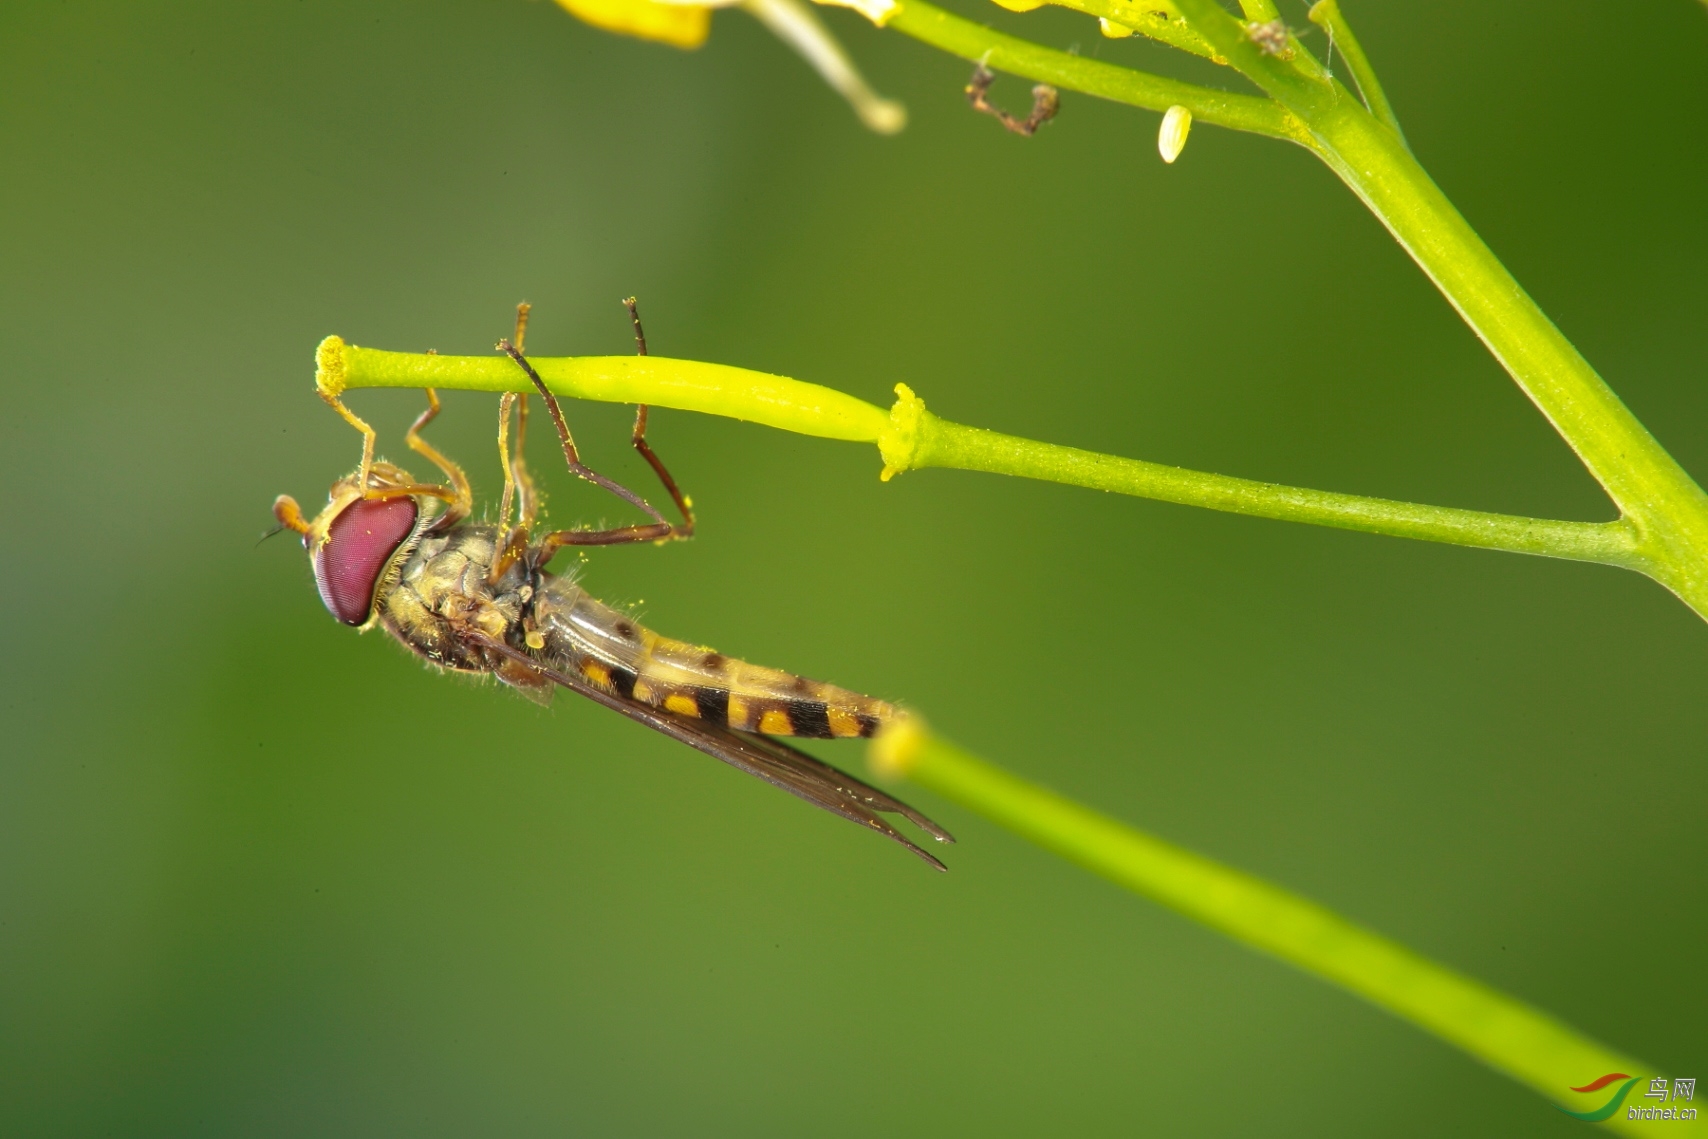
(1046,101)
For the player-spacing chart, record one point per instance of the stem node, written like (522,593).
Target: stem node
(899,443)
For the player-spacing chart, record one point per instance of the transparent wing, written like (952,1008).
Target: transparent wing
(769,759)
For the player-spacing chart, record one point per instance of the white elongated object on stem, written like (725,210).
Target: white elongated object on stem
(1171,138)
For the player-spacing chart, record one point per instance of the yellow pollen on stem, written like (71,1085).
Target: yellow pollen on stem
(896,746)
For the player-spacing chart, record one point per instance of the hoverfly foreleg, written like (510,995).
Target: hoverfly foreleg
(459,499)
(657,530)
(368,437)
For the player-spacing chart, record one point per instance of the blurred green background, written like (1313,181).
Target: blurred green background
(260,876)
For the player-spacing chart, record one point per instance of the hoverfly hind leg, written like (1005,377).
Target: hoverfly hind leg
(637,438)
(659,529)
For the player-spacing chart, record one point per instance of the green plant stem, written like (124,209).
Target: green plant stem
(909,438)
(1149,19)
(714,389)
(932,25)
(941,443)
(1506,1034)
(1326,14)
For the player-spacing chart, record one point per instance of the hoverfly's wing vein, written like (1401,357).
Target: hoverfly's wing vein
(771,760)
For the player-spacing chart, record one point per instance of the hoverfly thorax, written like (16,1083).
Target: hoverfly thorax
(354,543)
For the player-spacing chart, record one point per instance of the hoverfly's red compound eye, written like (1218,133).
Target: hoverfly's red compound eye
(359,543)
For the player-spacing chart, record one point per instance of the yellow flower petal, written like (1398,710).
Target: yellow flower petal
(679,25)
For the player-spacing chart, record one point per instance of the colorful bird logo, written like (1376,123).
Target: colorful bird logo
(1598,1114)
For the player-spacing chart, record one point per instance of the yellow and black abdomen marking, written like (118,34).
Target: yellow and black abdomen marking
(621,657)
(695,682)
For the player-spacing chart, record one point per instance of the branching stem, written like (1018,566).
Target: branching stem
(1326,15)
(1662,508)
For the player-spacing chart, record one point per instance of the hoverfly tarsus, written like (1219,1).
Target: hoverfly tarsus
(477,597)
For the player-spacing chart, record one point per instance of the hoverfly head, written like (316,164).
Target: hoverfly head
(355,540)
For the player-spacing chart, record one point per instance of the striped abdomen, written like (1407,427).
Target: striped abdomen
(588,637)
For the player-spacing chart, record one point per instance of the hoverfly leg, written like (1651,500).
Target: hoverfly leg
(458,498)
(364,471)
(518,484)
(528,681)
(516,545)
(505,403)
(638,439)
(528,496)
(515,542)
(659,529)
(551,543)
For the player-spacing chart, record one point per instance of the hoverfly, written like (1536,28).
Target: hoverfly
(477,597)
